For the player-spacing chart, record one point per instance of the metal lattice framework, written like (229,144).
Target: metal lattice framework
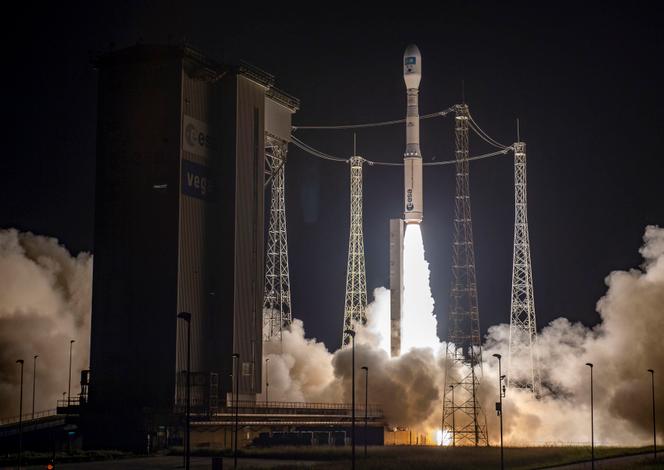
(462,413)
(356,281)
(277,313)
(523,358)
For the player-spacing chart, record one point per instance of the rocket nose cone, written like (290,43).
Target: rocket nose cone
(412,67)
(412,50)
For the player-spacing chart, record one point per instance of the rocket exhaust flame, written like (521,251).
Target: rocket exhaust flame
(418,323)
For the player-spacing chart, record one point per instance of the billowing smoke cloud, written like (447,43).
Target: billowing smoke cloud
(623,346)
(45,300)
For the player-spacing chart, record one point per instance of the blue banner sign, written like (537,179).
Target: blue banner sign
(197,181)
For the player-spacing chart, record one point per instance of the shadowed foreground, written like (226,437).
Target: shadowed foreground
(399,457)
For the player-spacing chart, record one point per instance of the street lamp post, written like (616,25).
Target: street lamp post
(654,428)
(34,381)
(351,333)
(20,418)
(71,344)
(236,365)
(186,316)
(267,380)
(366,406)
(592,420)
(500,408)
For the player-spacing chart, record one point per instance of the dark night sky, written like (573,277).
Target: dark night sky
(585,80)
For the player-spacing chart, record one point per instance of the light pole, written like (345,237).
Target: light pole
(34,381)
(20,418)
(267,380)
(351,333)
(592,421)
(654,428)
(71,344)
(499,407)
(366,406)
(186,316)
(236,364)
(453,424)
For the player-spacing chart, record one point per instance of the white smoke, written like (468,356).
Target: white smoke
(622,347)
(45,300)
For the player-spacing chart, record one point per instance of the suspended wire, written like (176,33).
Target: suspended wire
(317,153)
(445,112)
(504,151)
(483,135)
(447,162)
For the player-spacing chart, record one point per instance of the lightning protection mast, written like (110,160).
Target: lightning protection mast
(464,353)
(523,358)
(277,314)
(356,280)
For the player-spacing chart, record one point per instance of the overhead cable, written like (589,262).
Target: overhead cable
(317,153)
(445,112)
(483,135)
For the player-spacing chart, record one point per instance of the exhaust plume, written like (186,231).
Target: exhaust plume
(409,388)
(45,299)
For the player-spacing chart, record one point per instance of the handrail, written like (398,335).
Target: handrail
(28,417)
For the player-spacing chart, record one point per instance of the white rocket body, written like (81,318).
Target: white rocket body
(412,74)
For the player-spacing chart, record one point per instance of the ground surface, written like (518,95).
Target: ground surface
(402,458)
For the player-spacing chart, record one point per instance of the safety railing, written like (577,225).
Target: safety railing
(27,417)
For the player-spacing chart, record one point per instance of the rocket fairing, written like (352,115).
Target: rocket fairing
(412,74)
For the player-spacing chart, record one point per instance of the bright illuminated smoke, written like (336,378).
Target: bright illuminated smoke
(418,323)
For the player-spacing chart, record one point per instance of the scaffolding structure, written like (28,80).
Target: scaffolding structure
(523,358)
(462,414)
(355,306)
(277,312)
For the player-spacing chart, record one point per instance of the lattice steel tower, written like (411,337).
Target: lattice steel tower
(462,413)
(277,313)
(523,358)
(356,281)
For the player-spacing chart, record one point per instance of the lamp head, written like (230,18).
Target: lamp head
(651,371)
(186,316)
(498,356)
(365,368)
(350,332)
(589,364)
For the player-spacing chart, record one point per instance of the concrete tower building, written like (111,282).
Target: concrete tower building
(178,227)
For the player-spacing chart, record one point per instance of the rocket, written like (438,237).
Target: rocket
(412,158)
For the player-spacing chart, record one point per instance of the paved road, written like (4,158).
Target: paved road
(614,463)
(171,463)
